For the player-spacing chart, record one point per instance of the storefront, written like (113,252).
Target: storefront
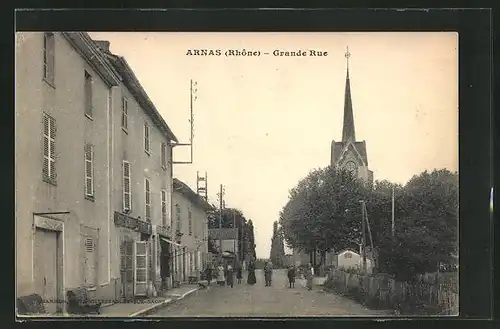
(136,261)
(166,253)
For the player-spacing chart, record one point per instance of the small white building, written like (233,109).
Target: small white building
(348,258)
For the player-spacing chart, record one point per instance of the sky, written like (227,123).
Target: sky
(262,123)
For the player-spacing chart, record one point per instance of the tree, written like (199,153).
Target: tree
(426,224)
(277,254)
(250,240)
(320,214)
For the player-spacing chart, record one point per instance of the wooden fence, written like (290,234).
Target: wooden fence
(382,292)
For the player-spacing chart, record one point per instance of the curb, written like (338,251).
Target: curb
(156,307)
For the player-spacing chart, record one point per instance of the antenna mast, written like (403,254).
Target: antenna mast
(193,97)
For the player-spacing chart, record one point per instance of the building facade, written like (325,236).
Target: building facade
(349,259)
(142,187)
(64,91)
(93,175)
(350,154)
(191,228)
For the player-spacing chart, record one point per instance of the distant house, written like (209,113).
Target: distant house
(228,236)
(302,258)
(191,230)
(349,259)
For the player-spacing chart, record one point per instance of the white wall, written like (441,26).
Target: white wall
(355,261)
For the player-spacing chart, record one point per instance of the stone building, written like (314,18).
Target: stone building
(141,155)
(350,154)
(63,164)
(191,230)
(93,172)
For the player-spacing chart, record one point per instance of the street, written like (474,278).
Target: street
(259,300)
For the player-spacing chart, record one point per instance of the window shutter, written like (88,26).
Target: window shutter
(141,268)
(164,207)
(178,216)
(88,94)
(148,199)
(124,113)
(49,135)
(126,186)
(48,56)
(89,170)
(163,155)
(146,137)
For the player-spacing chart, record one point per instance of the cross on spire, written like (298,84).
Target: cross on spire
(347,55)
(348,132)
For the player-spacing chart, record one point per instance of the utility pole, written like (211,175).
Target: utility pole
(193,97)
(221,196)
(363,228)
(236,234)
(392,221)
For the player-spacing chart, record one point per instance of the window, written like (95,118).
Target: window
(124,113)
(178,217)
(49,141)
(146,138)
(127,202)
(89,170)
(163,155)
(190,223)
(88,94)
(147,194)
(164,207)
(48,57)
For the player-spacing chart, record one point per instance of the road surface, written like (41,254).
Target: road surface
(261,301)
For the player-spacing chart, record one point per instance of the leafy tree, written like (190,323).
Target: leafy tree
(277,254)
(319,215)
(426,218)
(323,213)
(250,240)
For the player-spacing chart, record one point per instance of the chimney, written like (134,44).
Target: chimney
(104,45)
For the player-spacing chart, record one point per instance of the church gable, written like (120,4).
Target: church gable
(351,153)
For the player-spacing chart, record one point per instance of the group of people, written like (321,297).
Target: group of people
(308,274)
(225,274)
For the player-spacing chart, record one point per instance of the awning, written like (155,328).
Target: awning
(171,242)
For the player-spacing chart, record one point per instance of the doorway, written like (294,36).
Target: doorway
(46,268)
(164,263)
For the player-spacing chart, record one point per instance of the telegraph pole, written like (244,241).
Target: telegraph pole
(363,228)
(392,221)
(221,196)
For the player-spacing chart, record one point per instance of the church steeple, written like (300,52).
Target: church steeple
(348,132)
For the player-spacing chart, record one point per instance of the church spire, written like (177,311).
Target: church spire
(348,127)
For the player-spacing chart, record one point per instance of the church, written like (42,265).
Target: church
(350,154)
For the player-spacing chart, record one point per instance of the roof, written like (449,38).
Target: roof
(347,250)
(134,86)
(184,189)
(348,131)
(223,233)
(82,42)
(360,147)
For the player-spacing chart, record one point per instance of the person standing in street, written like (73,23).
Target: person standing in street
(208,272)
(268,273)
(229,276)
(239,273)
(251,273)
(309,276)
(291,276)
(220,274)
